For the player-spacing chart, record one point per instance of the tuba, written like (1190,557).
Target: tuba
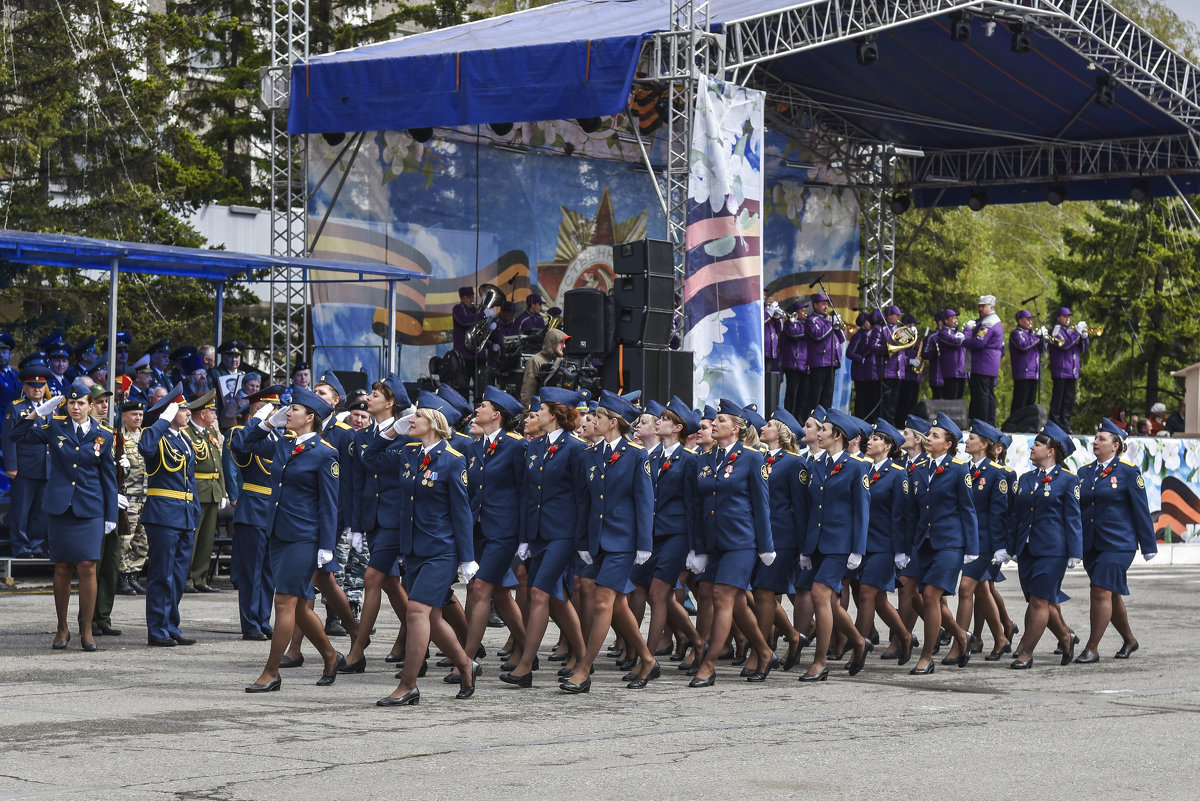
(490,296)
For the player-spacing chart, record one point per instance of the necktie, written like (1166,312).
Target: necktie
(720,454)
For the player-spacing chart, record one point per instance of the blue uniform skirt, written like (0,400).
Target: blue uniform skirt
(939,568)
(585,571)
(495,560)
(996,573)
(1042,576)
(385,551)
(428,579)
(829,568)
(665,563)
(912,569)
(548,562)
(613,569)
(878,570)
(1107,569)
(980,569)
(802,578)
(75,539)
(292,566)
(731,567)
(778,576)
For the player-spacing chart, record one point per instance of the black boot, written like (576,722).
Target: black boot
(333,626)
(494,621)
(125,586)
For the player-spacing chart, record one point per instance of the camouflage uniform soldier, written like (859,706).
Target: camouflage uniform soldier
(134,545)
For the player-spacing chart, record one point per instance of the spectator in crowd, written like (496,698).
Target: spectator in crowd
(1157,418)
(1144,428)
(1175,423)
(209,354)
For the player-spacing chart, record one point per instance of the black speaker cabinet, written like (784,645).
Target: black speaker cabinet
(645,291)
(1027,420)
(956,410)
(658,372)
(639,326)
(352,380)
(584,311)
(644,257)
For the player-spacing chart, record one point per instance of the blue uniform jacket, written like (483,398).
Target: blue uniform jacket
(675,495)
(341,437)
(498,474)
(945,511)
(618,503)
(306,502)
(170,477)
(441,516)
(888,521)
(1113,507)
(260,481)
(839,504)
(787,489)
(1046,515)
(83,471)
(552,489)
(736,510)
(381,498)
(990,492)
(30,459)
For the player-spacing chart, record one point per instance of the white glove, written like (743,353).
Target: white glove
(1148,556)
(1043,331)
(523,551)
(689,564)
(124,462)
(901,561)
(492,325)
(109,528)
(402,425)
(355,538)
(122,502)
(1000,557)
(959,336)
(767,558)
(1074,563)
(279,418)
(224,503)
(700,563)
(324,557)
(914,362)
(641,557)
(489,312)
(170,412)
(970,324)
(969,558)
(585,556)
(1081,326)
(264,412)
(468,570)
(853,561)
(774,310)
(341,416)
(50,404)
(805,562)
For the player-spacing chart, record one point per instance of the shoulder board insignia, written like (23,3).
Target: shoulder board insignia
(105,428)
(237,428)
(413,445)
(60,417)
(994,463)
(761,448)
(1068,472)
(899,467)
(453,452)
(341,424)
(860,458)
(511,435)
(581,439)
(18,401)
(690,450)
(959,460)
(633,444)
(1126,461)
(327,445)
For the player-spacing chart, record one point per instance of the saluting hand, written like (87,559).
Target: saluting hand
(279,418)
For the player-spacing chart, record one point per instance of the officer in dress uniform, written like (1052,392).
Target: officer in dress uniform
(86,356)
(124,340)
(1045,537)
(338,433)
(210,487)
(10,382)
(132,473)
(58,359)
(27,465)
(1116,523)
(171,513)
(159,359)
(985,341)
(142,382)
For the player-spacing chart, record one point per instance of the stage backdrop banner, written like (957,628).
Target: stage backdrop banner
(723,290)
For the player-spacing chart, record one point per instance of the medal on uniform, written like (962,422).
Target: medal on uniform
(1113,480)
(98,442)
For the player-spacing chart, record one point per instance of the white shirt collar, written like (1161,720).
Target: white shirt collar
(1103,465)
(85,426)
(553,436)
(385,424)
(939,460)
(305,438)
(975,464)
(666,452)
(875,468)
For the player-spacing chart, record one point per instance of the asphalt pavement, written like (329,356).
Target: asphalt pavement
(130,722)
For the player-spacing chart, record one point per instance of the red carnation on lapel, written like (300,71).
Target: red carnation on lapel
(837,468)
(1046,479)
(874,477)
(297,449)
(553,449)
(771,459)
(666,466)
(425,462)
(938,472)
(733,456)
(616,455)
(492,446)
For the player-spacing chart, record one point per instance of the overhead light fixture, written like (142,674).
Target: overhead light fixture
(1020,38)
(960,27)
(334,138)
(501,128)
(792,164)
(989,27)
(1139,190)
(1106,90)
(910,152)
(421,134)
(1056,194)
(977,200)
(900,203)
(589,124)
(866,51)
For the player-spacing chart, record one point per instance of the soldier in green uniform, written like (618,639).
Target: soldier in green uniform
(210,488)
(134,545)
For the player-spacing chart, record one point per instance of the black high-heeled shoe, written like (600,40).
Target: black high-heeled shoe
(358,666)
(810,677)
(1074,642)
(1127,648)
(1069,654)
(391,658)
(571,687)
(761,675)
(1021,664)
(697,682)
(270,687)
(329,678)
(976,644)
(856,665)
(919,671)
(465,692)
(905,653)
(626,664)
(1087,658)
(517,681)
(61,645)
(89,646)
(410,698)
(996,656)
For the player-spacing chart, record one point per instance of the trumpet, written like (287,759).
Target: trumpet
(1094,331)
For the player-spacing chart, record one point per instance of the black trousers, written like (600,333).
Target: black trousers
(910,391)
(794,394)
(889,398)
(1024,393)
(983,398)
(820,388)
(1062,402)
(866,399)
(954,388)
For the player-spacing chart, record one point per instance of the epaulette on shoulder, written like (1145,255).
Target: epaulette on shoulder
(959,460)
(412,445)
(581,439)
(761,448)
(994,463)
(341,424)
(60,417)
(327,445)
(453,452)
(18,400)
(637,445)
(1068,472)
(690,450)
(1127,462)
(236,428)
(511,435)
(900,467)
(105,427)
(859,458)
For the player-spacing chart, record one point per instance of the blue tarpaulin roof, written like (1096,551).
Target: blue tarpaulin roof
(82,252)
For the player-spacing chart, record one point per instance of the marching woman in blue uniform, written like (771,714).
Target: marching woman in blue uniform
(788,496)
(170,515)
(835,539)
(435,544)
(734,528)
(251,521)
(550,523)
(1045,537)
(673,470)
(496,466)
(907,579)
(303,525)
(1116,523)
(81,500)
(701,580)
(617,510)
(990,492)
(887,537)
(945,537)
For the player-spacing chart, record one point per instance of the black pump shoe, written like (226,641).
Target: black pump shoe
(410,698)
(270,687)
(329,678)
